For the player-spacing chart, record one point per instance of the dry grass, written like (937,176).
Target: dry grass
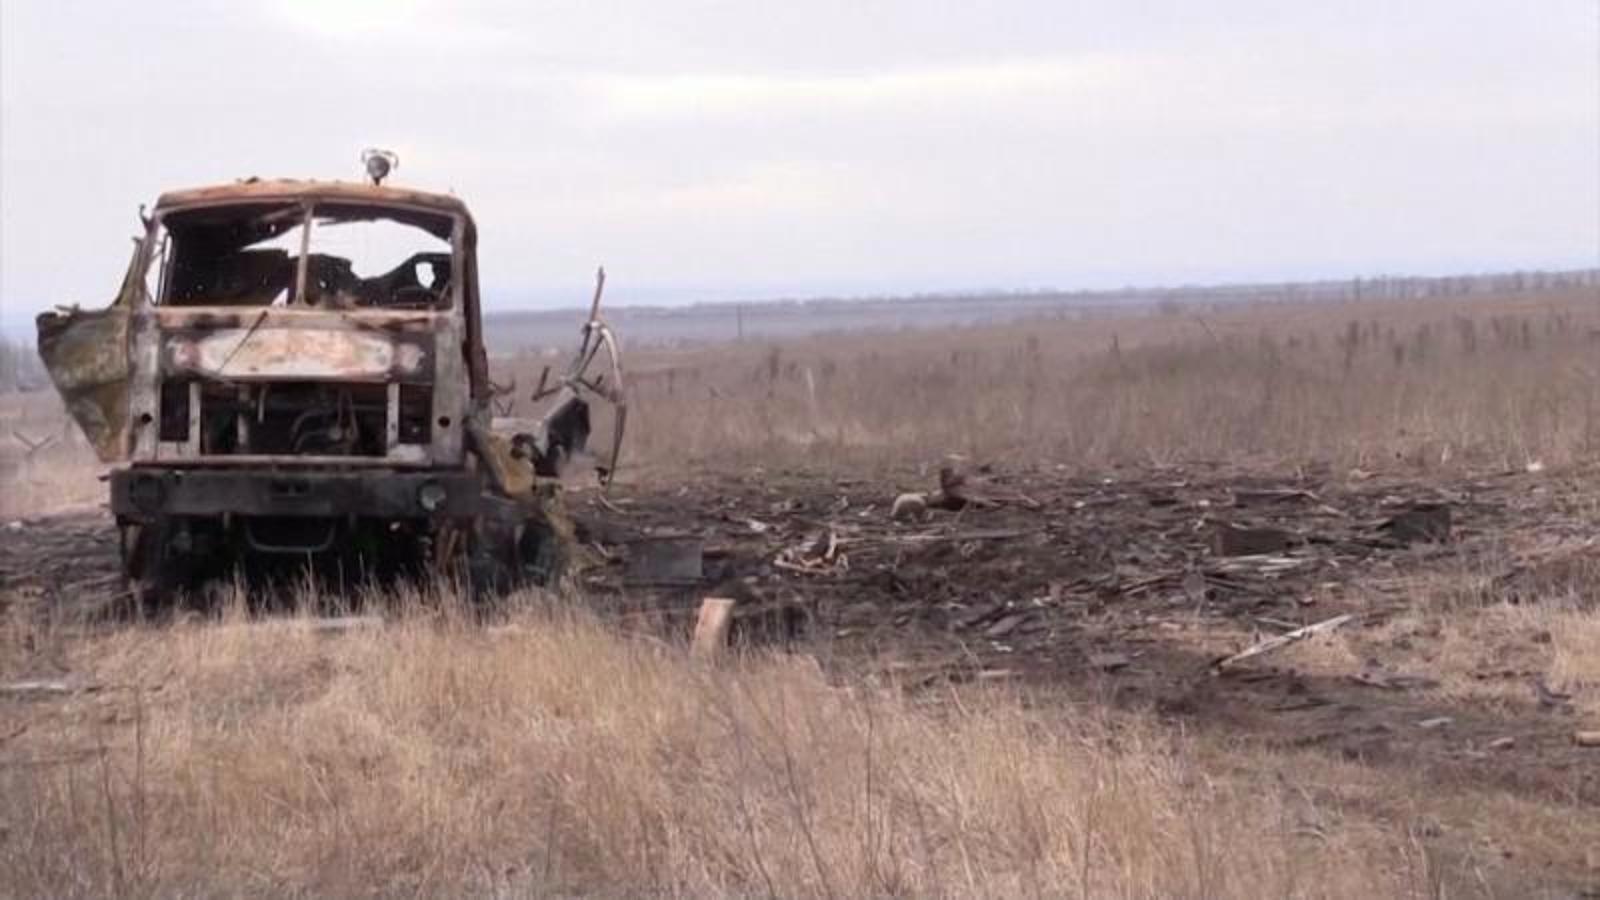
(1488,648)
(553,756)
(1483,381)
(57,471)
(1486,656)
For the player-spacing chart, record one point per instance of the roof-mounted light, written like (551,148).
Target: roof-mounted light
(379,163)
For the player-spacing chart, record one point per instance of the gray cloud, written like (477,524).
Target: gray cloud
(720,149)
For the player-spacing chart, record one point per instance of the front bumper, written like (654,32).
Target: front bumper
(145,494)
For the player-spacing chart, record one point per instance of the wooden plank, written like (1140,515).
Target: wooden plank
(1282,640)
(712,628)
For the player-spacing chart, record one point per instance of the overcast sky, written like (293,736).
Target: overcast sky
(747,150)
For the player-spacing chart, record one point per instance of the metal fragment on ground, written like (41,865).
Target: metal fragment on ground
(676,560)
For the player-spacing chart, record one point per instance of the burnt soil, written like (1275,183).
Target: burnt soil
(1108,588)
(1113,583)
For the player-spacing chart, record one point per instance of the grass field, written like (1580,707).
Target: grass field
(1485,381)
(551,756)
(555,752)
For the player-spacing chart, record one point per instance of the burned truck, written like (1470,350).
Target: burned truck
(296,370)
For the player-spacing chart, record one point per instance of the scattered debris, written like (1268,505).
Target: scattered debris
(1436,722)
(952,493)
(1228,539)
(772,623)
(1281,641)
(1550,698)
(1586,738)
(909,507)
(45,689)
(675,560)
(1423,523)
(609,505)
(1005,626)
(978,615)
(1393,681)
(819,556)
(961,537)
(1260,496)
(1504,743)
(1265,564)
(1109,662)
(958,491)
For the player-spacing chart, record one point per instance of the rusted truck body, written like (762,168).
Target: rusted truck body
(296,369)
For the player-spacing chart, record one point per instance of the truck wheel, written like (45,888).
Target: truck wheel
(146,578)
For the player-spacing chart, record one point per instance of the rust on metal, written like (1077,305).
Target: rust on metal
(253,190)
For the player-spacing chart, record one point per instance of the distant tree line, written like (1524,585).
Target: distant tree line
(1379,287)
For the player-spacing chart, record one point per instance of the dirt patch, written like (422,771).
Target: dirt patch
(1113,588)
(1058,578)
(1124,588)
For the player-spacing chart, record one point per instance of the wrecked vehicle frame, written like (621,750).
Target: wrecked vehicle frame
(263,390)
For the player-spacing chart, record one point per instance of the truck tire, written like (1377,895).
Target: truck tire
(146,574)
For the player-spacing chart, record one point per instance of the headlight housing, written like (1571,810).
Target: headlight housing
(431,496)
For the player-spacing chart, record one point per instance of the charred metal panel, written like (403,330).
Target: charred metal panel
(144,493)
(279,344)
(86,354)
(145,394)
(402,457)
(451,396)
(272,353)
(413,413)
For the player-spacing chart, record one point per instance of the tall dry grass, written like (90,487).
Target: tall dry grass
(552,756)
(1484,381)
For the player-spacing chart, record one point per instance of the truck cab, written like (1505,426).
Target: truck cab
(294,369)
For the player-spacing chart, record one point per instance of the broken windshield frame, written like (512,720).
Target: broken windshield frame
(293,254)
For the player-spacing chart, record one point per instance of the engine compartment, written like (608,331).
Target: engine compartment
(295,418)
